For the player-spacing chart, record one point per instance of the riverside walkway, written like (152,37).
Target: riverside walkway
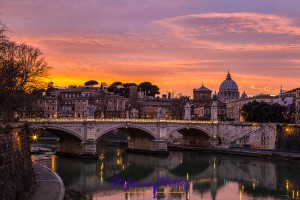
(48,185)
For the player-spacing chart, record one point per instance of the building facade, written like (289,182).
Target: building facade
(173,107)
(203,112)
(71,102)
(291,96)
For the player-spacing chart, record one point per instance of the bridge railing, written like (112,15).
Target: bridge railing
(58,120)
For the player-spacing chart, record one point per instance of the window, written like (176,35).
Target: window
(218,111)
(206,111)
(52,108)
(223,111)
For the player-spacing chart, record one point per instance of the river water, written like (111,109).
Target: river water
(201,176)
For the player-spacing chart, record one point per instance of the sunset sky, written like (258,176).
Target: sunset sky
(175,44)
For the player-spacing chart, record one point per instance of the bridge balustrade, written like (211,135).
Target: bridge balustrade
(116,120)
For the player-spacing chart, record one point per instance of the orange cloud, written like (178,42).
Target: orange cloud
(180,53)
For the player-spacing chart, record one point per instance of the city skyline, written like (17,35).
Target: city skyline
(174,44)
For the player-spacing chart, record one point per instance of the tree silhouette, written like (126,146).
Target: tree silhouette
(91,83)
(262,112)
(23,70)
(149,89)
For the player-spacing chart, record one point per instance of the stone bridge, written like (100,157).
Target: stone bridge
(79,136)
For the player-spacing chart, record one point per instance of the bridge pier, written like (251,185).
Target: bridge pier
(89,149)
(195,141)
(147,145)
(75,148)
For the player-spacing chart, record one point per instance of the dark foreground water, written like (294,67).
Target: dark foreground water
(208,176)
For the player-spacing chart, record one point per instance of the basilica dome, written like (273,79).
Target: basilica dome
(228,84)
(228,90)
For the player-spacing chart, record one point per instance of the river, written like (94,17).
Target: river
(203,176)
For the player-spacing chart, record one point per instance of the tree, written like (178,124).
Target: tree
(22,72)
(262,112)
(50,89)
(91,83)
(149,89)
(116,88)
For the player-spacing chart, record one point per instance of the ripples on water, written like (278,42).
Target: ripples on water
(209,176)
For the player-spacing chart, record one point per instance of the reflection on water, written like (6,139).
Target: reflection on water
(209,176)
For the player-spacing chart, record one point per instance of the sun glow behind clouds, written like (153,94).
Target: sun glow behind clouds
(175,46)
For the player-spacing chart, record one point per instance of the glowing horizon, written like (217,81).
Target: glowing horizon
(175,45)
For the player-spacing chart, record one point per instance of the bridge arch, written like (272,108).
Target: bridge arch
(193,136)
(201,130)
(54,128)
(126,127)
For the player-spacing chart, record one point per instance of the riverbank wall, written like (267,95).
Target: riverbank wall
(16,172)
(288,138)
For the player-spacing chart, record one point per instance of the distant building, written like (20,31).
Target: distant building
(202,103)
(228,90)
(244,95)
(292,96)
(202,94)
(174,107)
(203,112)
(133,93)
(72,101)
(234,106)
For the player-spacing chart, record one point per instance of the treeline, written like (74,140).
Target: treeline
(119,88)
(123,88)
